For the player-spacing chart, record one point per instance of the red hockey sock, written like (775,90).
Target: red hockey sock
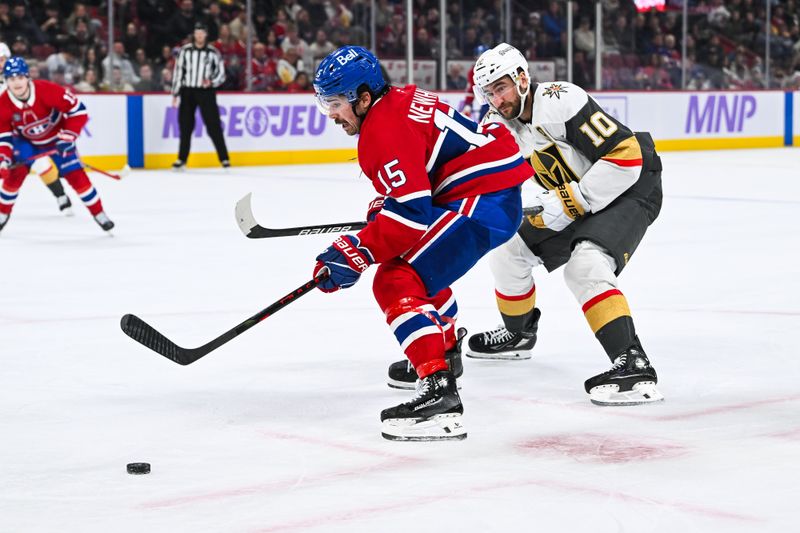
(412,315)
(79,181)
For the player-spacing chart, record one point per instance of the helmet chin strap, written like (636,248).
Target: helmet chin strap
(522,98)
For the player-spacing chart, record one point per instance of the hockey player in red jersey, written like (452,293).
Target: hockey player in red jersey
(38,116)
(451,193)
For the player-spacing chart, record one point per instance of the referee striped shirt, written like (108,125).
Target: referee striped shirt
(194,65)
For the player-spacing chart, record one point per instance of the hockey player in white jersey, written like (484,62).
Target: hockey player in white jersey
(600,187)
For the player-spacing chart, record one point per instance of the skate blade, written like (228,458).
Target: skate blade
(641,393)
(438,427)
(405,385)
(519,355)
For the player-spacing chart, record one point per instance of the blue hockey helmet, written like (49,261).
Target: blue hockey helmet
(15,66)
(343,71)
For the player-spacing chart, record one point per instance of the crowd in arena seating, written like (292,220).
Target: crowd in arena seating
(67,40)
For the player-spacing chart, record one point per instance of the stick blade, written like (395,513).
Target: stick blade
(143,333)
(124,171)
(244,215)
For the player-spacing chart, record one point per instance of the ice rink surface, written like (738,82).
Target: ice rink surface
(279,429)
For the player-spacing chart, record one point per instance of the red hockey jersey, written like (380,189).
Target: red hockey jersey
(419,151)
(49,109)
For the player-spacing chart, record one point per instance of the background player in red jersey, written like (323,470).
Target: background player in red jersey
(452,193)
(37,116)
(43,166)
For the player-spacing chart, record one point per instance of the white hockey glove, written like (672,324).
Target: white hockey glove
(561,207)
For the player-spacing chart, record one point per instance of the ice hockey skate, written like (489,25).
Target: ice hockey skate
(104,222)
(502,344)
(65,205)
(403,376)
(434,413)
(630,381)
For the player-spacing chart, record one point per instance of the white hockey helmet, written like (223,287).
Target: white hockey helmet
(493,64)
(4,51)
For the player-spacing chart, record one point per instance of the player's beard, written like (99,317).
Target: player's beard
(509,110)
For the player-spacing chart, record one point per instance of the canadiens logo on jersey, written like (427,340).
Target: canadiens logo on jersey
(34,129)
(551,168)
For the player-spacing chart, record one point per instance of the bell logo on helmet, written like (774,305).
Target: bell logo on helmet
(349,56)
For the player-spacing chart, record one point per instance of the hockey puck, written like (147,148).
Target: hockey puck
(138,468)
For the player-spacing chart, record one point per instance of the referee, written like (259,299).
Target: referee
(198,72)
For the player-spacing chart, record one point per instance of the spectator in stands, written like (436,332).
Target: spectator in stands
(423,44)
(321,46)
(469,42)
(89,82)
(181,24)
(22,24)
(34,71)
(584,37)
(67,62)
(131,40)
(293,40)
(301,83)
(146,82)
(119,59)
(273,49)
(118,83)
(20,47)
(623,35)
(228,46)
(5,19)
(261,24)
(456,81)
(166,80)
(166,59)
(51,25)
(264,70)
(57,77)
(140,60)
(212,16)
(238,26)
(554,22)
(305,29)
(82,36)
(92,61)
(288,67)
(338,13)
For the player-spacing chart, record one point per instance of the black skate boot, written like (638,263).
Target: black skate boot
(503,344)
(434,413)
(631,381)
(403,376)
(3,220)
(102,219)
(65,205)
(179,165)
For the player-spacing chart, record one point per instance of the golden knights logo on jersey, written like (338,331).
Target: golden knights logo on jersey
(551,168)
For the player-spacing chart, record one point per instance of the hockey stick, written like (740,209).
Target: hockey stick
(122,173)
(143,333)
(253,230)
(33,158)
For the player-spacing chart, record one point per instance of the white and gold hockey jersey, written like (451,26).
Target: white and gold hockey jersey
(571,139)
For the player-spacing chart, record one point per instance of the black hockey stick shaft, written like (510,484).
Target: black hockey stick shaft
(145,334)
(253,230)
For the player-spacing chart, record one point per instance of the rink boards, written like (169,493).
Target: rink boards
(264,129)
